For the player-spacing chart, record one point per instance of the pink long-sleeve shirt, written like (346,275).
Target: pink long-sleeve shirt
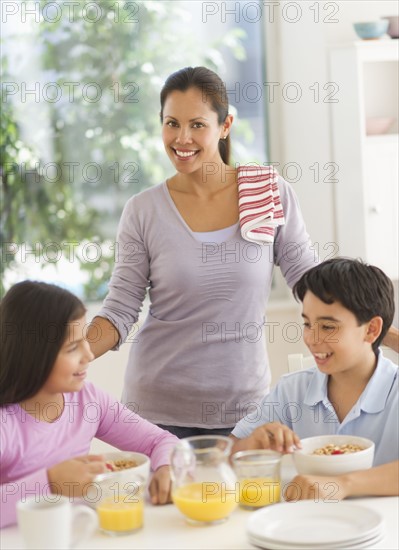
(28,447)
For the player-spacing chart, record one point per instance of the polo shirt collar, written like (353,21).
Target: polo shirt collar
(317,390)
(373,398)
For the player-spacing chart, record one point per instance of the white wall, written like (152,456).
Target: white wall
(300,132)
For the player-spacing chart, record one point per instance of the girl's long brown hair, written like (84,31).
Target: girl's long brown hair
(34,318)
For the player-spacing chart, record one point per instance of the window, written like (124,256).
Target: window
(80,120)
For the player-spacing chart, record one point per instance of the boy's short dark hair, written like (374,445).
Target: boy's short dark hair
(363,289)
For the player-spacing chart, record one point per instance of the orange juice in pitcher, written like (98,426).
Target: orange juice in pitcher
(205,487)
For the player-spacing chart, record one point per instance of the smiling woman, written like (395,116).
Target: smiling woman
(202,345)
(203,92)
(187,139)
(195,130)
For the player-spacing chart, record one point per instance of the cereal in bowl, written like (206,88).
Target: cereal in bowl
(116,465)
(332,449)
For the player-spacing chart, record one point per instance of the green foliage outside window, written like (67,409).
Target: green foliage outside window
(103,130)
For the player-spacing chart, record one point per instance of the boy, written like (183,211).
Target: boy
(348,307)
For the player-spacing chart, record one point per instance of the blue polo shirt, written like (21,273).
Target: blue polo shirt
(299,400)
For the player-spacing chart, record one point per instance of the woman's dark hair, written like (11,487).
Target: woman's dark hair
(212,88)
(34,319)
(363,289)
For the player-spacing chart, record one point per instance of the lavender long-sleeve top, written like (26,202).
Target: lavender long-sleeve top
(200,357)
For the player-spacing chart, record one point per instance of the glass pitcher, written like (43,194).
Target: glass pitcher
(204,486)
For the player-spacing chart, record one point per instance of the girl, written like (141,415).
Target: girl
(49,413)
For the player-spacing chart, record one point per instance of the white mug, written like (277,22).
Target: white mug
(53,522)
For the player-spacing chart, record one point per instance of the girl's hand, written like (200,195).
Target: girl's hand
(70,478)
(273,436)
(160,486)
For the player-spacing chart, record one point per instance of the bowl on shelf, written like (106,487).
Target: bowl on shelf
(371,30)
(376,126)
(393,25)
(339,462)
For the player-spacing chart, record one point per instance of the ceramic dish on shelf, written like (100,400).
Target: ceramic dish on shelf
(393,25)
(375,126)
(371,30)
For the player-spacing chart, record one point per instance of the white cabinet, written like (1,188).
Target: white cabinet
(366,194)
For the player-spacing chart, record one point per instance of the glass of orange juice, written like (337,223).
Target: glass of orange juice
(258,474)
(204,486)
(121,512)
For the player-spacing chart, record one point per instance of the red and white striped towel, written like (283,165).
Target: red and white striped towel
(260,209)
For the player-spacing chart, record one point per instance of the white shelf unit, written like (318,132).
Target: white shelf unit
(366,195)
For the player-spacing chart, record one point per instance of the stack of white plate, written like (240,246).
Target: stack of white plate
(308,525)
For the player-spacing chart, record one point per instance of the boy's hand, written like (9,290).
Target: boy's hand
(317,488)
(273,436)
(276,436)
(160,486)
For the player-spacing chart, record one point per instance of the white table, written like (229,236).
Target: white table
(165,528)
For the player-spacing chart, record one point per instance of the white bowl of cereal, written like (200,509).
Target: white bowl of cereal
(334,455)
(127,472)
